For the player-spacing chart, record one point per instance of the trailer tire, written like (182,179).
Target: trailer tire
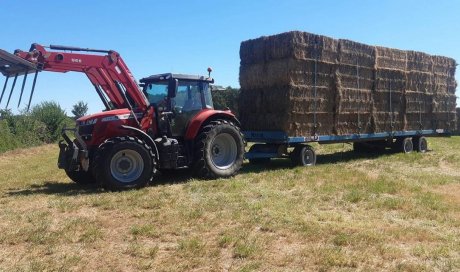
(407,146)
(303,155)
(421,144)
(81,177)
(124,163)
(219,150)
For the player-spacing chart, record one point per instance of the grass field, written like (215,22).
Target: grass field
(397,212)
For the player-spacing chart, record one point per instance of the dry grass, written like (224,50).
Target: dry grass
(351,212)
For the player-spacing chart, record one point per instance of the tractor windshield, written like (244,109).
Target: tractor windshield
(156,92)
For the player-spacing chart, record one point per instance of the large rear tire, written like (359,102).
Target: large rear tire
(219,150)
(124,163)
(81,177)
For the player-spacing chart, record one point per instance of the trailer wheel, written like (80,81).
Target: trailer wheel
(303,155)
(407,145)
(421,144)
(80,177)
(219,150)
(124,163)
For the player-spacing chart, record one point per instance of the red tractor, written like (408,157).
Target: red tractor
(166,122)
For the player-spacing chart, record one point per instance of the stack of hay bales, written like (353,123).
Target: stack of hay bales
(277,77)
(390,88)
(355,82)
(307,84)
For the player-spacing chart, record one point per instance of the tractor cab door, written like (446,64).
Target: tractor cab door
(191,98)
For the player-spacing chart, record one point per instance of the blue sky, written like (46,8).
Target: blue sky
(188,36)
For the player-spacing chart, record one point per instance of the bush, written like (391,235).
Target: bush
(7,139)
(42,125)
(53,116)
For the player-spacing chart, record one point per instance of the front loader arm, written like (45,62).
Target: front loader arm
(108,73)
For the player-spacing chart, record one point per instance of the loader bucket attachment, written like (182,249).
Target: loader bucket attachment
(14,66)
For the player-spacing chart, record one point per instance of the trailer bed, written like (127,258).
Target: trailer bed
(270,144)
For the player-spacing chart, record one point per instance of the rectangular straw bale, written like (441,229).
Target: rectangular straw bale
(294,44)
(387,79)
(419,61)
(419,121)
(444,120)
(382,101)
(444,66)
(444,84)
(418,102)
(352,122)
(349,75)
(355,100)
(384,121)
(354,53)
(285,72)
(389,58)
(420,82)
(253,51)
(302,124)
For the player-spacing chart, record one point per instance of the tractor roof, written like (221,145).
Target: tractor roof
(166,76)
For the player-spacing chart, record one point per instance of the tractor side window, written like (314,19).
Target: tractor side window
(188,96)
(157,92)
(207,96)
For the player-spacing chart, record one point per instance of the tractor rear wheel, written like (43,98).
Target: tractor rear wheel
(80,177)
(124,163)
(219,150)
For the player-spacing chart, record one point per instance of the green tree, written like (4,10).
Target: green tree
(52,115)
(80,109)
(226,98)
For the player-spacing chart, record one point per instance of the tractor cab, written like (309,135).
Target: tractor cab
(176,99)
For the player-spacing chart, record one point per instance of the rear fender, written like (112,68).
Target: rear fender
(204,117)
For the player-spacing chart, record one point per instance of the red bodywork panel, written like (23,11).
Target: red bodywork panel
(102,70)
(204,115)
(105,125)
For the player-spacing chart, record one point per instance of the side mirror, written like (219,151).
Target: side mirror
(172,87)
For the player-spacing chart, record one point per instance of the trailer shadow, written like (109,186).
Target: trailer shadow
(184,176)
(350,155)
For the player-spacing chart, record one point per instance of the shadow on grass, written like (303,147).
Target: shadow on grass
(185,175)
(56,188)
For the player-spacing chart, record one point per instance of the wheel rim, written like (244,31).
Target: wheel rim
(126,165)
(307,157)
(223,151)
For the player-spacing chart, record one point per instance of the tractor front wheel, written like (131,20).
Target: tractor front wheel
(124,163)
(219,150)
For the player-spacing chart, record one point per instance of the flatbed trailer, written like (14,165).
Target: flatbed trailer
(268,145)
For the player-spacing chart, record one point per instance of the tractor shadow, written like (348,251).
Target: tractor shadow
(56,188)
(185,175)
